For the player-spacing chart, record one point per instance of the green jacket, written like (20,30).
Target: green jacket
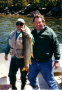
(45,45)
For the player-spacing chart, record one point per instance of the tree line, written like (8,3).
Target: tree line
(23,3)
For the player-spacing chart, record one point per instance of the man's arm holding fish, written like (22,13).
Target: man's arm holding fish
(27,33)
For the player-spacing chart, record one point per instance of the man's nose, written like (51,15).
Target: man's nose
(38,23)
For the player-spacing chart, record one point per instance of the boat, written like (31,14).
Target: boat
(4,79)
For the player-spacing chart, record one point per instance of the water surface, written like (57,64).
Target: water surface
(7,24)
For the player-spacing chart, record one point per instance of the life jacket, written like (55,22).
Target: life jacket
(16,45)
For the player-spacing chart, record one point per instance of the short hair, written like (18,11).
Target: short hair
(39,16)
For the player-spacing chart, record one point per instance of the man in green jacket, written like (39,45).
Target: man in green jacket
(45,46)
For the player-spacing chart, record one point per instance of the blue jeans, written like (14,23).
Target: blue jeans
(46,69)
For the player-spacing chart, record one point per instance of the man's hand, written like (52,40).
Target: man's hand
(6,57)
(23,29)
(56,65)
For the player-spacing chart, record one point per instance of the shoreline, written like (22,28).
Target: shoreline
(17,15)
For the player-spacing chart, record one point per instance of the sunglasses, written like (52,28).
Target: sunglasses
(19,23)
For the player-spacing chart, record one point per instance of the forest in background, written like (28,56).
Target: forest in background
(44,6)
(24,3)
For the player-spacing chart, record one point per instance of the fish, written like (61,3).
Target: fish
(27,45)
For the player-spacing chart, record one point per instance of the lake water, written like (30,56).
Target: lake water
(7,24)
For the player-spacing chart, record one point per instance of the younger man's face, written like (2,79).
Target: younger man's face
(38,23)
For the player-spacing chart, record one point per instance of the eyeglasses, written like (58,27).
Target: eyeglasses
(19,23)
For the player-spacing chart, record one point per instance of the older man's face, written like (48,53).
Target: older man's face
(19,25)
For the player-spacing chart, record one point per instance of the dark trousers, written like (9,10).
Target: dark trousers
(15,64)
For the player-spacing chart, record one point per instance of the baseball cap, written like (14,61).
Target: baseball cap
(20,20)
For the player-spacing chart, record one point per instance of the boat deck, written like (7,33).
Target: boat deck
(4,80)
(4,83)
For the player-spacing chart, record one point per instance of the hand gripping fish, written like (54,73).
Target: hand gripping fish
(27,45)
